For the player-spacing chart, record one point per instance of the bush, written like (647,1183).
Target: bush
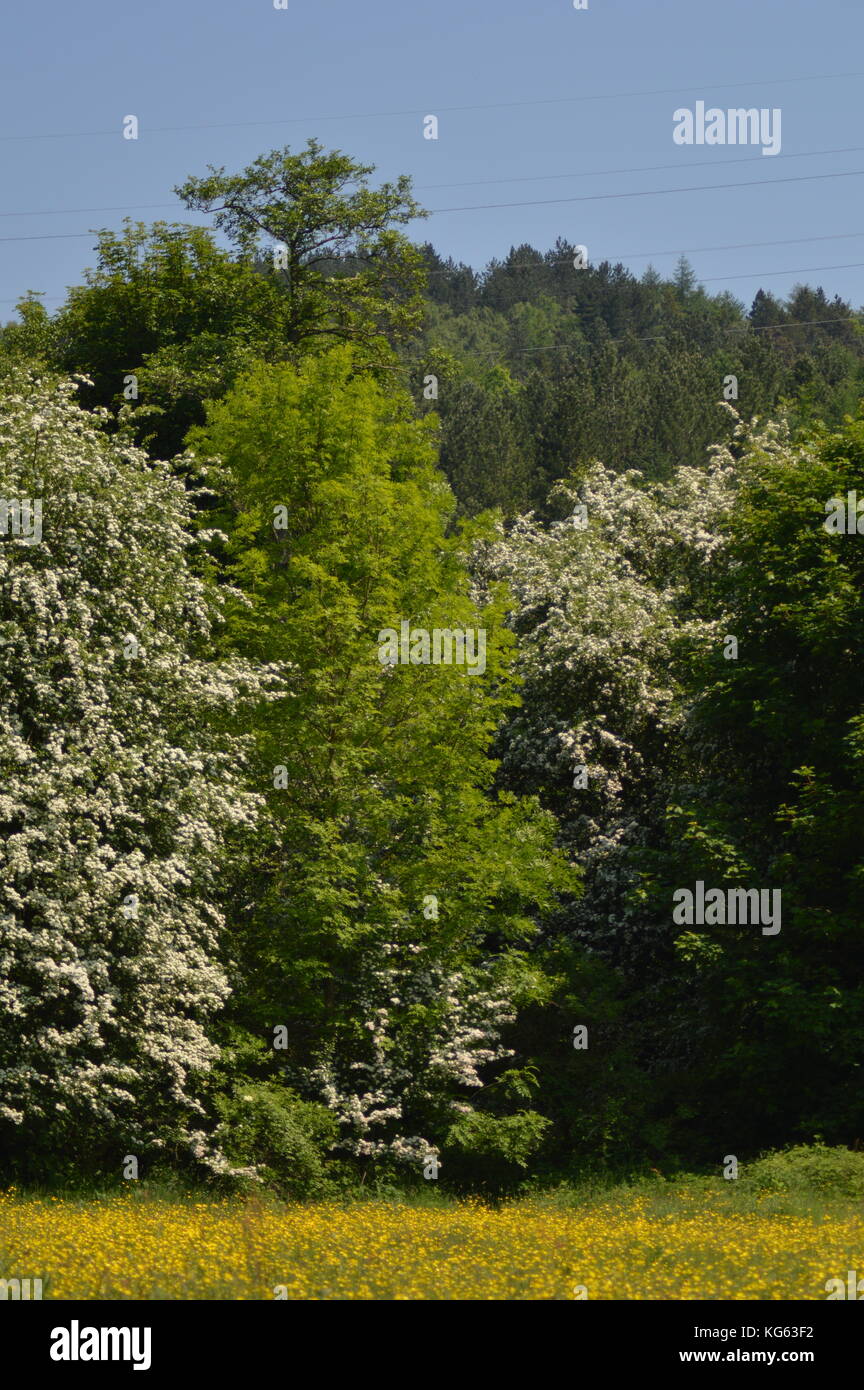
(283,1138)
(490,1153)
(809,1168)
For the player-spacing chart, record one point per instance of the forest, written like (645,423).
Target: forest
(277,912)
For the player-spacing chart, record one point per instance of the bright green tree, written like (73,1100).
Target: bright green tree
(391,911)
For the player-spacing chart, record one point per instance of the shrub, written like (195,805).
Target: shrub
(830,1172)
(284,1139)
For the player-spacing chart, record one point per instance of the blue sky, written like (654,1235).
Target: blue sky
(361,77)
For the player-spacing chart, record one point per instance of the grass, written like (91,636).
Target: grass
(691,1239)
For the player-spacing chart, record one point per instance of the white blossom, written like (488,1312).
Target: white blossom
(114,786)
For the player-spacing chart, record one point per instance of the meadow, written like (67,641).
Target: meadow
(690,1239)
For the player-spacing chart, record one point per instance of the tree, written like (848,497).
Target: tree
(346,271)
(484,451)
(684,279)
(33,339)
(739,773)
(610,603)
(120,797)
(165,321)
(397,896)
(774,793)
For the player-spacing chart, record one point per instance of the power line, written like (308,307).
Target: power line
(746,245)
(703,279)
(73,236)
(122,207)
(545,265)
(415,111)
(541,202)
(745,328)
(640,255)
(648,192)
(40,293)
(645,169)
(479,183)
(764,274)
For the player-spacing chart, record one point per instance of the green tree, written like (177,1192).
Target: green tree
(399,894)
(485,452)
(346,271)
(684,279)
(166,306)
(33,339)
(774,795)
